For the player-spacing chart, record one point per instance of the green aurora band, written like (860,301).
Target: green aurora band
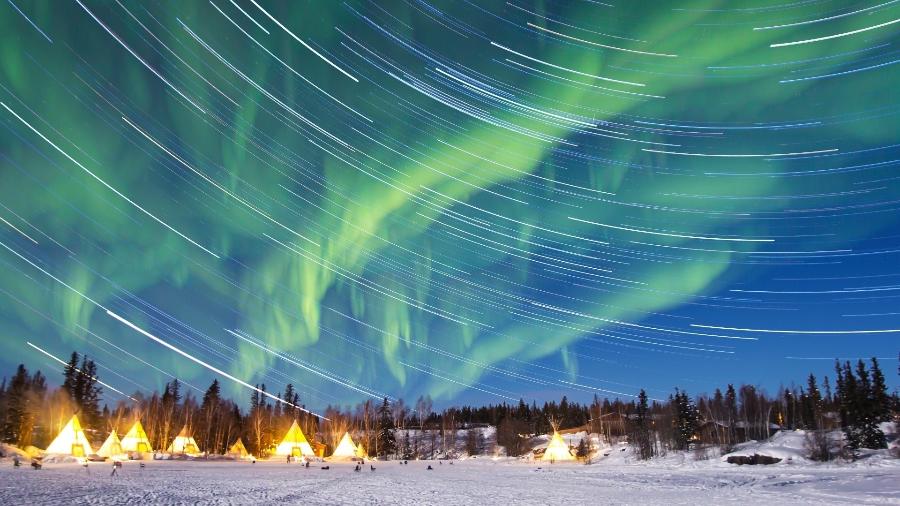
(432,229)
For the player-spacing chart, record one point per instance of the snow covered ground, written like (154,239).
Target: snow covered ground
(616,479)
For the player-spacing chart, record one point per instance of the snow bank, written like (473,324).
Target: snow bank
(789,446)
(9,451)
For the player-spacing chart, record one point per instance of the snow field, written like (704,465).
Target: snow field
(613,480)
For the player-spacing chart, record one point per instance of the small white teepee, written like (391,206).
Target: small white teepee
(184,443)
(294,444)
(557,450)
(345,449)
(71,441)
(112,446)
(135,440)
(238,450)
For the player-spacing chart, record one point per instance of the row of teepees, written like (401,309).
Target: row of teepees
(72,441)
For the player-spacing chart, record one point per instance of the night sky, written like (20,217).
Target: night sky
(479,201)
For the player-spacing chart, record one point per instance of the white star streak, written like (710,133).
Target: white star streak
(298,39)
(564,68)
(667,234)
(283,63)
(305,367)
(828,37)
(30,22)
(217,185)
(147,65)
(829,18)
(784,331)
(536,27)
(255,22)
(766,155)
(107,385)
(208,366)
(104,183)
(17,230)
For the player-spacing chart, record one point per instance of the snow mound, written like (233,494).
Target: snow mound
(789,446)
(11,451)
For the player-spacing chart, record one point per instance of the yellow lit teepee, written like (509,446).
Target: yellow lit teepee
(557,450)
(345,449)
(184,443)
(71,441)
(135,439)
(294,443)
(111,447)
(238,450)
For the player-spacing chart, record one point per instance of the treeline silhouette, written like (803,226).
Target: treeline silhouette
(31,413)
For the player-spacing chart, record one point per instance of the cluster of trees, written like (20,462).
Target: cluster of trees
(863,403)
(31,414)
(858,405)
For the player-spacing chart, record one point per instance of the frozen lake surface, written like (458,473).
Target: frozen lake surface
(476,481)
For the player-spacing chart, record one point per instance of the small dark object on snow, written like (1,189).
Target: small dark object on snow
(752,460)
(326,467)
(16,462)
(371,466)
(143,465)
(307,464)
(357,468)
(35,465)
(429,468)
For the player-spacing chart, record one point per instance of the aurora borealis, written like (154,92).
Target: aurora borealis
(479,200)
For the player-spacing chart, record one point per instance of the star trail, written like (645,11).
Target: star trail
(467,200)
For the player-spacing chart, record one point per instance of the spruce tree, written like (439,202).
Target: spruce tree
(70,375)
(870,435)
(686,420)
(731,410)
(849,405)
(406,452)
(387,444)
(290,412)
(90,393)
(582,451)
(640,428)
(812,405)
(881,401)
(17,410)
(789,421)
(209,411)
(211,397)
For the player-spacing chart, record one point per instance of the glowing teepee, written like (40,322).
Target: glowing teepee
(135,439)
(557,450)
(346,449)
(71,441)
(294,443)
(112,446)
(238,450)
(184,443)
